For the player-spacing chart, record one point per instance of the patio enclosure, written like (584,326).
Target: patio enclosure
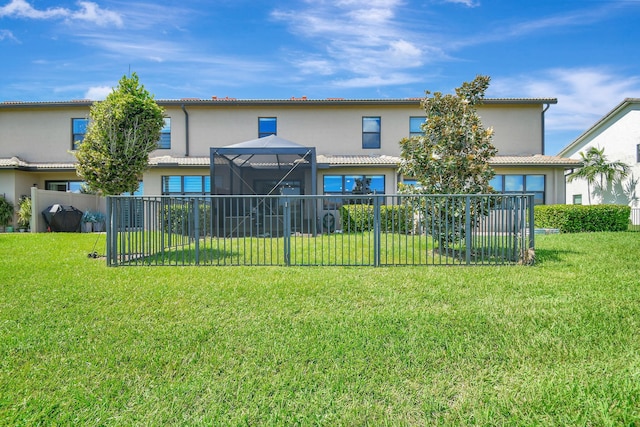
(367,230)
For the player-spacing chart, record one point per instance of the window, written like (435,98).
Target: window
(577,199)
(69,186)
(190,184)
(78,130)
(165,134)
(371,132)
(638,153)
(513,184)
(353,184)
(267,126)
(415,125)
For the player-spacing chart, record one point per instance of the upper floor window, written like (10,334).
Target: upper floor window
(371,132)
(638,153)
(79,129)
(165,134)
(533,184)
(415,125)
(267,126)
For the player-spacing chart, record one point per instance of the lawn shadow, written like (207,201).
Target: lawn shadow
(553,255)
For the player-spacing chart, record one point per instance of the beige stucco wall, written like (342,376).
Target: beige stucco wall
(338,130)
(44,134)
(38,134)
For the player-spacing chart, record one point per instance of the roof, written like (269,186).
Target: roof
(271,141)
(594,128)
(535,160)
(215,101)
(331,160)
(355,160)
(17,163)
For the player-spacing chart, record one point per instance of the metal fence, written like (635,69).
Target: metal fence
(371,230)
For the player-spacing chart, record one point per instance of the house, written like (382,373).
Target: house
(618,133)
(354,141)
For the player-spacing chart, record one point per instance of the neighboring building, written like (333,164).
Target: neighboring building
(354,140)
(618,132)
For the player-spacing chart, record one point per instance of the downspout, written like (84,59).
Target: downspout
(542,126)
(186,131)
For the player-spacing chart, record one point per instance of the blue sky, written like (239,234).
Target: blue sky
(586,53)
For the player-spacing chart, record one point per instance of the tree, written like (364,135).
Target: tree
(452,155)
(597,170)
(123,129)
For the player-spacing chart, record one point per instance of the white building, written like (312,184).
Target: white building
(618,133)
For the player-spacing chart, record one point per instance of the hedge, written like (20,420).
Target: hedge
(394,219)
(175,217)
(579,218)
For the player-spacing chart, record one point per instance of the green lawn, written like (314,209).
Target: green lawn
(553,344)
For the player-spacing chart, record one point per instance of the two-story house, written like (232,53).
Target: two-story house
(352,141)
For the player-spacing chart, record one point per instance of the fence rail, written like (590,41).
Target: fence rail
(336,230)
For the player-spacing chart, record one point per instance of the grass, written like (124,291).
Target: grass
(553,344)
(337,249)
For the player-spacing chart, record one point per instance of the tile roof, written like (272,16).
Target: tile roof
(17,163)
(376,160)
(287,101)
(332,160)
(536,160)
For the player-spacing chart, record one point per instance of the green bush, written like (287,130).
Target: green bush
(359,218)
(175,218)
(579,218)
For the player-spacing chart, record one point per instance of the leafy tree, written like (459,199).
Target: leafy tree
(452,155)
(123,129)
(598,171)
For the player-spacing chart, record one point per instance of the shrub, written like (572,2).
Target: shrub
(393,219)
(178,218)
(579,218)
(6,211)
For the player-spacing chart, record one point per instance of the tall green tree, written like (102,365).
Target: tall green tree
(598,171)
(123,130)
(451,156)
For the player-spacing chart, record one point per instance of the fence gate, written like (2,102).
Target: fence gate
(354,230)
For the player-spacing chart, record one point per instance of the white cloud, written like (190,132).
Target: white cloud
(584,94)
(88,12)
(7,35)
(468,3)
(97,93)
(22,9)
(364,39)
(91,12)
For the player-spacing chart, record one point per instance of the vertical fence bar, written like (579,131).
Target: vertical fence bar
(376,231)
(467,228)
(287,230)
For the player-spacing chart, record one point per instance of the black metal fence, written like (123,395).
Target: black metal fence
(371,230)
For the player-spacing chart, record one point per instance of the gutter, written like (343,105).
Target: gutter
(186,130)
(542,126)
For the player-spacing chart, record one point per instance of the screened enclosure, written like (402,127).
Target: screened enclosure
(268,166)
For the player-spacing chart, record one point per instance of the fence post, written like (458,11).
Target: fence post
(532,219)
(467,228)
(286,219)
(376,230)
(196,227)
(109,229)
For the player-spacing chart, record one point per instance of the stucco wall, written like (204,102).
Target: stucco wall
(619,136)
